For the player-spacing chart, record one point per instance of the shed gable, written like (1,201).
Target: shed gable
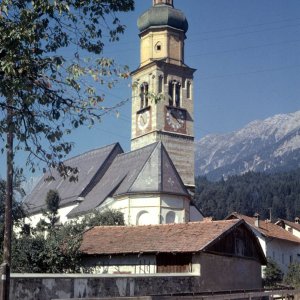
(240,242)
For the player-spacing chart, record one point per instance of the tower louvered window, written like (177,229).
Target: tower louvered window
(144,90)
(174,93)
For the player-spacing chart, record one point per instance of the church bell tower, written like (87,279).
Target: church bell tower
(162,94)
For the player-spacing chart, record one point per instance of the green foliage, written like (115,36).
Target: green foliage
(56,249)
(57,252)
(292,277)
(107,217)
(51,213)
(273,274)
(251,193)
(45,78)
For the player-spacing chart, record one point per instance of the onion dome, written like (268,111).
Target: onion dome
(163,14)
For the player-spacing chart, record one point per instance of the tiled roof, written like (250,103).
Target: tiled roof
(175,238)
(91,166)
(267,229)
(145,170)
(289,223)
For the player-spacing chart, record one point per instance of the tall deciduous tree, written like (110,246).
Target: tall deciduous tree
(47,50)
(17,210)
(44,93)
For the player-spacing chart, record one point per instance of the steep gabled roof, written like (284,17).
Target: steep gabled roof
(267,229)
(170,238)
(91,165)
(145,170)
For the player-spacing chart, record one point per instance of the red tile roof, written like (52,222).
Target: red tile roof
(185,237)
(267,229)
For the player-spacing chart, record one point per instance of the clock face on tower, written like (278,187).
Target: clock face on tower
(175,119)
(143,120)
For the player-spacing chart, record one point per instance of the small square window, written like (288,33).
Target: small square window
(158,46)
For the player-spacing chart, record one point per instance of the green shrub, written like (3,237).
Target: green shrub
(273,274)
(292,276)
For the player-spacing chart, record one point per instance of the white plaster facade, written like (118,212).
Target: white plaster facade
(283,252)
(153,209)
(293,228)
(129,264)
(62,213)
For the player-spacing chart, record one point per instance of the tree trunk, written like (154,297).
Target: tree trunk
(9,197)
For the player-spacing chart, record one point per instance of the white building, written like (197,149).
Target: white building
(278,244)
(292,227)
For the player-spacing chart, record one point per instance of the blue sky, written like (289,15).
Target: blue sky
(247,56)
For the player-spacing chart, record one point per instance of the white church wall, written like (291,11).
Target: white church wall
(145,215)
(150,209)
(171,202)
(171,215)
(62,213)
(144,201)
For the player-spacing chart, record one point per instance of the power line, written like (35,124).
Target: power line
(242,33)
(249,26)
(251,72)
(245,48)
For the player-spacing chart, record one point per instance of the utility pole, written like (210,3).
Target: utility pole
(270,209)
(8,200)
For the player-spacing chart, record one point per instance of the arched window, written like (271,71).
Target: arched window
(142,95)
(188,90)
(143,218)
(177,95)
(144,90)
(171,217)
(160,83)
(170,93)
(158,46)
(174,93)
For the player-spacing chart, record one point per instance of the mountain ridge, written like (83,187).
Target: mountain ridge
(268,145)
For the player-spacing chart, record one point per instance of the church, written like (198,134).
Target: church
(154,182)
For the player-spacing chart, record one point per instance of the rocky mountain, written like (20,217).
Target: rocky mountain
(269,145)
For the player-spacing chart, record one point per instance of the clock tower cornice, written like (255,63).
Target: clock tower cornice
(162,64)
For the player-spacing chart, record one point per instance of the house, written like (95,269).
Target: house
(154,182)
(222,255)
(278,244)
(292,227)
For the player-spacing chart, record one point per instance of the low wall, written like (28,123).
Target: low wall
(140,287)
(214,273)
(48,287)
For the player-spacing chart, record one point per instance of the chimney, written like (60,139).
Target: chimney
(257,220)
(297,220)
